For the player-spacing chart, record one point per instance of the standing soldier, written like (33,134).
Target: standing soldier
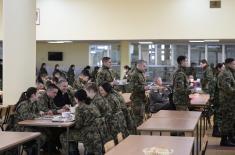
(105,74)
(138,87)
(226,83)
(180,85)
(217,112)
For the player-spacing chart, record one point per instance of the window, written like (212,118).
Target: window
(197,54)
(230,51)
(214,54)
(134,50)
(178,51)
(164,52)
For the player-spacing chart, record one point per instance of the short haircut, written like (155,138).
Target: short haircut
(181,58)
(204,61)
(140,62)
(105,59)
(91,86)
(61,81)
(51,87)
(229,60)
(85,72)
(107,87)
(219,65)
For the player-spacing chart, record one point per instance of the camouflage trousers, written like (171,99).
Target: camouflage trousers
(228,123)
(217,116)
(138,111)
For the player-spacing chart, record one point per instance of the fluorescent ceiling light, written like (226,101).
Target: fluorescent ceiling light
(59,42)
(212,40)
(145,42)
(196,41)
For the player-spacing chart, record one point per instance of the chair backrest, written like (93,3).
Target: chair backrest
(119,137)
(204,145)
(109,145)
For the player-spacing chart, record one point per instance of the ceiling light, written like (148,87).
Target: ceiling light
(145,42)
(59,42)
(196,41)
(212,40)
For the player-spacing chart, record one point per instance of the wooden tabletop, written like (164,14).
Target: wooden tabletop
(134,145)
(11,139)
(45,123)
(177,114)
(199,99)
(126,97)
(169,124)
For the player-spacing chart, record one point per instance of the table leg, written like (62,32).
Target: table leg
(67,142)
(197,143)
(193,150)
(19,149)
(194,143)
(204,126)
(38,145)
(200,136)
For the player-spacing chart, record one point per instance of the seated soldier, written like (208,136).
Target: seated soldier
(82,80)
(159,96)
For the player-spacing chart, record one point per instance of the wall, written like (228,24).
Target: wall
(134,19)
(73,53)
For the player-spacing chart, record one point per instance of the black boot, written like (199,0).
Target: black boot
(226,141)
(216,132)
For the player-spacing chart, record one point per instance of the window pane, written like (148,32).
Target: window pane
(97,52)
(180,50)
(134,50)
(148,53)
(164,54)
(197,54)
(230,51)
(115,54)
(214,54)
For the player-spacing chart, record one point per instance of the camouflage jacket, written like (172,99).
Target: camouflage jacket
(208,81)
(45,103)
(137,84)
(102,104)
(105,75)
(180,87)
(78,84)
(226,84)
(71,77)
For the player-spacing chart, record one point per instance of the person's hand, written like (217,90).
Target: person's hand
(41,113)
(66,107)
(146,87)
(61,110)
(49,113)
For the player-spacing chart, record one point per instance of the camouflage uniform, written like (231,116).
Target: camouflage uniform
(105,74)
(45,103)
(128,113)
(78,84)
(226,84)
(208,82)
(28,110)
(86,129)
(180,89)
(71,77)
(138,97)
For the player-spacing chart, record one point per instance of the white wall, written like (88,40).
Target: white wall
(134,19)
(73,53)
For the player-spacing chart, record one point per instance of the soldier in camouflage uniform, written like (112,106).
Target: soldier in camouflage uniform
(226,84)
(27,109)
(117,122)
(86,129)
(82,80)
(180,85)
(138,97)
(105,74)
(217,112)
(71,75)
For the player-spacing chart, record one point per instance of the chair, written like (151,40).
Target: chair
(5,118)
(204,145)
(119,137)
(109,145)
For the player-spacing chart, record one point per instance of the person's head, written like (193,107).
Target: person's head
(141,65)
(87,67)
(29,94)
(126,68)
(230,63)
(72,66)
(57,75)
(40,86)
(81,97)
(158,81)
(107,62)
(203,63)
(84,75)
(96,68)
(55,80)
(52,90)
(182,61)
(43,65)
(220,67)
(57,66)
(91,90)
(44,76)
(63,86)
(105,89)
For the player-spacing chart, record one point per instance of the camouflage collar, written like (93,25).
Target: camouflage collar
(105,67)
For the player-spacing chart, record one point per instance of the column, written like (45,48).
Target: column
(125,56)
(19,48)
